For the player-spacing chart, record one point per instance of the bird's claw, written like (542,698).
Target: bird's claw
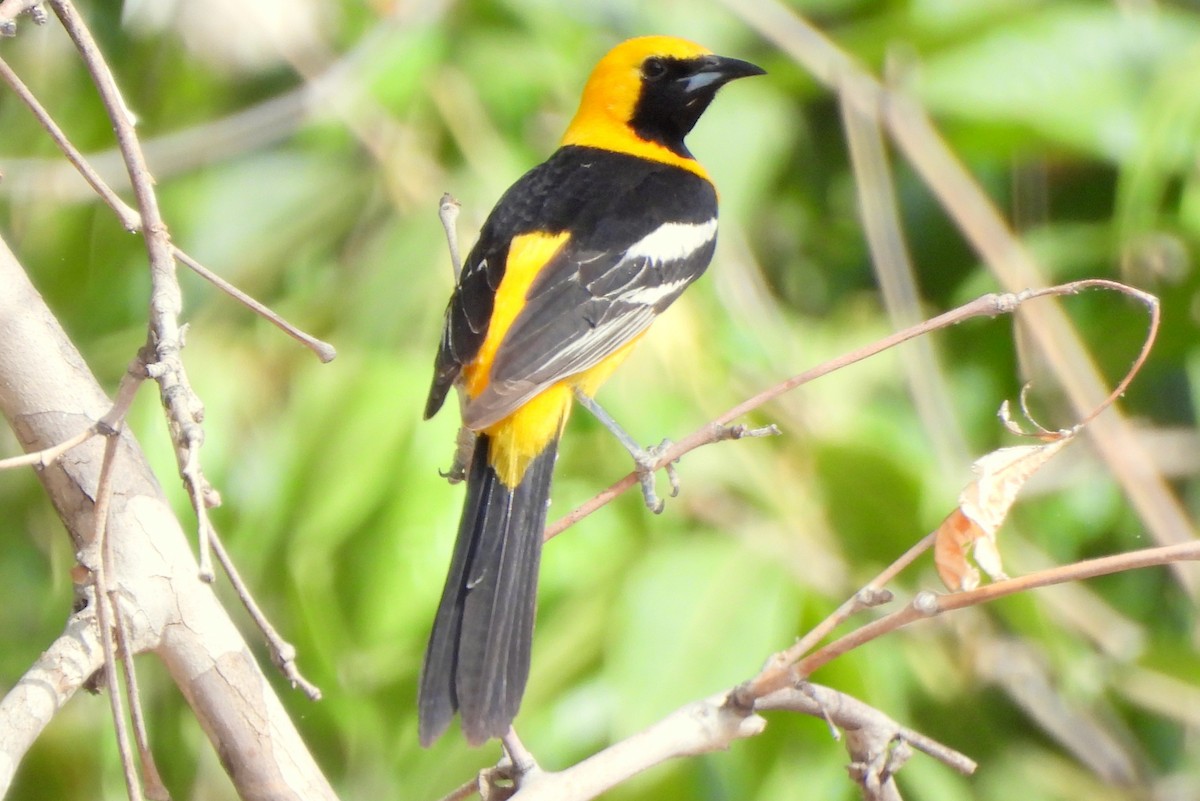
(646,461)
(455,474)
(464,448)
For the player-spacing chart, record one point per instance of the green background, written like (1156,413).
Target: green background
(1080,120)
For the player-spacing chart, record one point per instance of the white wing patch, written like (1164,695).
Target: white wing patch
(673,241)
(618,302)
(650,295)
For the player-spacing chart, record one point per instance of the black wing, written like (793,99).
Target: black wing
(640,233)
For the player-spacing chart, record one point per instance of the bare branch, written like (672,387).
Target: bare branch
(848,713)
(712,724)
(777,672)
(49,455)
(48,684)
(697,728)
(927,604)
(130,382)
(323,350)
(47,394)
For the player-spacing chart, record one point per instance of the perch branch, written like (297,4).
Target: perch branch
(989,305)
(697,728)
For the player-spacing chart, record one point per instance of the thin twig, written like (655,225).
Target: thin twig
(786,666)
(928,604)
(126,390)
(30,704)
(989,305)
(448,211)
(463,791)
(43,458)
(108,615)
(155,789)
(779,675)
(131,220)
(777,670)
(324,351)
(283,653)
(848,712)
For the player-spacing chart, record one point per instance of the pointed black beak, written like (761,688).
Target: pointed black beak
(716,71)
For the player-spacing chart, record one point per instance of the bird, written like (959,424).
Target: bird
(570,268)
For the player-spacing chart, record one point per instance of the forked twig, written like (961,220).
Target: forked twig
(791,665)
(126,391)
(131,220)
(927,604)
(185,411)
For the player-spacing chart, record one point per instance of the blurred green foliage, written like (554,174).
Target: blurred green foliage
(1080,120)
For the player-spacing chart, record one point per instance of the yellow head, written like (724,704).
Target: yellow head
(646,94)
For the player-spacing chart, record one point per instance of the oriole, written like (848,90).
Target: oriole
(572,265)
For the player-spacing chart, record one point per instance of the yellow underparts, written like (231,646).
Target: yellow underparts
(519,438)
(527,255)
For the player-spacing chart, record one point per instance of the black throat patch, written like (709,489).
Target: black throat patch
(666,109)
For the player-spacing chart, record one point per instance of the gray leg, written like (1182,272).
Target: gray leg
(644,459)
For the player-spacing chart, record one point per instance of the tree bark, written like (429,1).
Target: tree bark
(48,394)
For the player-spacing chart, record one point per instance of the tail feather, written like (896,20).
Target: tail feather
(477,661)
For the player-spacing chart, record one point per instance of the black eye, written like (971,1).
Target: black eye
(653,68)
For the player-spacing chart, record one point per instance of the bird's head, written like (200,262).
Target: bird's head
(654,89)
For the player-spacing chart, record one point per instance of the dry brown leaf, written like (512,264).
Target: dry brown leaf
(982,507)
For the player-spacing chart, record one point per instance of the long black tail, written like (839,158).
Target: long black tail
(477,661)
